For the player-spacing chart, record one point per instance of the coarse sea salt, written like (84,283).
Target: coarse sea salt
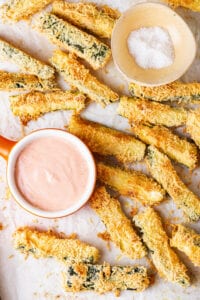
(151,47)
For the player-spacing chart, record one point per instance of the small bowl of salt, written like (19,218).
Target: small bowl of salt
(152,45)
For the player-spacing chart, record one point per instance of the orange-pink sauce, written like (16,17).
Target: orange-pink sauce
(51,173)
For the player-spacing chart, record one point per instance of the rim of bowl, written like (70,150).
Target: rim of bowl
(74,140)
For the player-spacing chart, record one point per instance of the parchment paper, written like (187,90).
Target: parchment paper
(33,279)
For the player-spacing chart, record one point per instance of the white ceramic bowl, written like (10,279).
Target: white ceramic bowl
(11,162)
(150,15)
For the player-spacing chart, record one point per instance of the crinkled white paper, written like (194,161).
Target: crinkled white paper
(33,279)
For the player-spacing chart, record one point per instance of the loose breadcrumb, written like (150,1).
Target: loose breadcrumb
(86,16)
(104,278)
(106,141)
(32,105)
(117,224)
(48,244)
(175,91)
(164,258)
(133,184)
(188,241)
(73,39)
(149,112)
(163,171)
(171,144)
(77,75)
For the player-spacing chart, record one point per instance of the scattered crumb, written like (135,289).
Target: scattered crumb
(5,207)
(117,293)
(106,237)
(49,274)
(1,226)
(118,257)
(106,71)
(121,87)
(35,221)
(134,211)
(7,193)
(91,220)
(10,256)
(127,204)
(1,179)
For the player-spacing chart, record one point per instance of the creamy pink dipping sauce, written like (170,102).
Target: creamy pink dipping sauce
(51,173)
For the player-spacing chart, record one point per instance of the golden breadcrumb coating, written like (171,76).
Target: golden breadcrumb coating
(73,39)
(133,184)
(193,125)
(106,141)
(175,91)
(22,9)
(77,75)
(26,62)
(190,4)
(164,258)
(118,226)
(163,171)
(87,16)
(25,82)
(32,105)
(105,278)
(188,241)
(149,112)
(48,244)
(171,144)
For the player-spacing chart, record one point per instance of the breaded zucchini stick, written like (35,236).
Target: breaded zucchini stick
(190,4)
(23,9)
(164,258)
(25,82)
(188,241)
(107,141)
(105,278)
(32,105)
(87,16)
(193,125)
(117,225)
(73,39)
(133,184)
(149,112)
(48,244)
(162,170)
(77,75)
(175,91)
(171,144)
(26,62)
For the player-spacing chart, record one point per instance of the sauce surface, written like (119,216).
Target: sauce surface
(51,173)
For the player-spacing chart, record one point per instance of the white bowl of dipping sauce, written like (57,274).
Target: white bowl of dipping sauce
(151,16)
(51,173)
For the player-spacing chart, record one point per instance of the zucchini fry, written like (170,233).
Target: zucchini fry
(107,141)
(133,184)
(105,278)
(25,82)
(27,63)
(65,35)
(87,16)
(193,125)
(118,226)
(190,4)
(22,9)
(149,112)
(171,144)
(162,170)
(188,241)
(32,105)
(48,244)
(164,258)
(77,75)
(175,91)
